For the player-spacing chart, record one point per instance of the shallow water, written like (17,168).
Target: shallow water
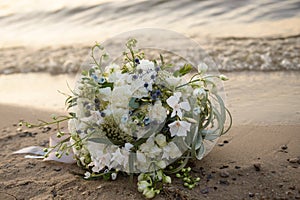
(239,35)
(61,21)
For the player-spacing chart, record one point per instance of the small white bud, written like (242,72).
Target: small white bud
(202,67)
(87,175)
(113,176)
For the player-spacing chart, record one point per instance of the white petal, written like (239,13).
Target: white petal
(185,106)
(179,113)
(174,128)
(172,101)
(186,125)
(181,132)
(128,146)
(177,95)
(141,157)
(173,113)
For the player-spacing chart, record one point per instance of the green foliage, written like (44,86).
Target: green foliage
(133,103)
(183,70)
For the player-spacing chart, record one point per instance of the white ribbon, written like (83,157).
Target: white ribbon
(39,153)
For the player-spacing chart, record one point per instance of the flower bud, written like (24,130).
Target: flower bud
(87,175)
(202,67)
(167,179)
(143,185)
(113,176)
(149,193)
(223,77)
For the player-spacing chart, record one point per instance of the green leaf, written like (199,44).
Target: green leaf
(133,104)
(183,70)
(100,140)
(200,152)
(212,137)
(162,59)
(107,84)
(72,114)
(91,71)
(84,73)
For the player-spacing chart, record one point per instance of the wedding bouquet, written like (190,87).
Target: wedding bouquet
(143,117)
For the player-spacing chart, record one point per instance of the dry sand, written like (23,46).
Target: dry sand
(257,159)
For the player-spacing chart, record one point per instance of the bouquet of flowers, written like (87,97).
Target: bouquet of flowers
(142,117)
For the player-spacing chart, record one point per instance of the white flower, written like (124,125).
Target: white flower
(112,68)
(105,93)
(138,89)
(118,157)
(120,96)
(161,140)
(99,157)
(171,151)
(158,112)
(179,128)
(173,102)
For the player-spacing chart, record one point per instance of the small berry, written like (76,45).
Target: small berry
(134,77)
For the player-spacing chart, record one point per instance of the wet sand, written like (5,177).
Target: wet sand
(258,159)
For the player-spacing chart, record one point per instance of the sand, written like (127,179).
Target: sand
(257,159)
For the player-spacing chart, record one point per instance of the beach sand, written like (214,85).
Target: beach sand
(258,159)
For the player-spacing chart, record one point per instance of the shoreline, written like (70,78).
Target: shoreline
(263,98)
(232,54)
